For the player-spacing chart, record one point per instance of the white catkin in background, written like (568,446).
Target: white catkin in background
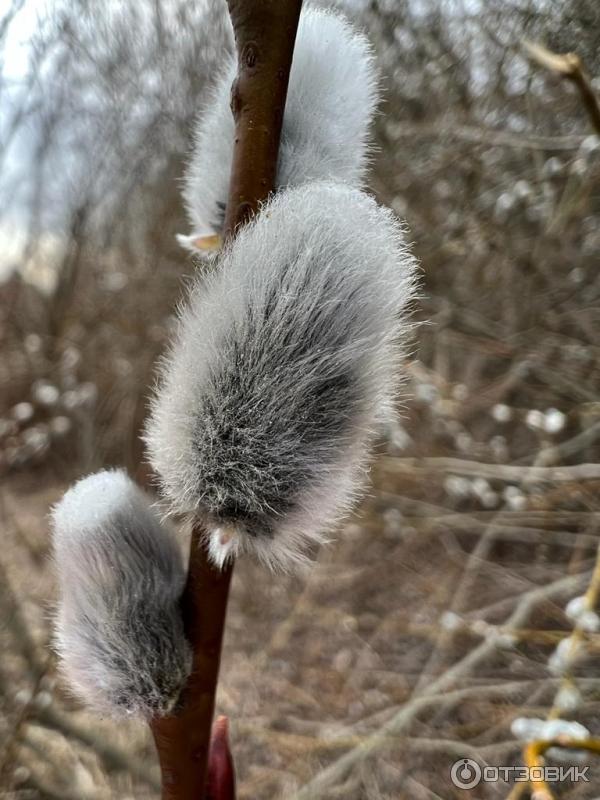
(119,631)
(285,363)
(331,100)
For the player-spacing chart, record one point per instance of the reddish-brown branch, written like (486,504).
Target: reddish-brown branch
(182,739)
(265,31)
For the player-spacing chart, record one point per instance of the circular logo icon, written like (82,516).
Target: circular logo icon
(465,773)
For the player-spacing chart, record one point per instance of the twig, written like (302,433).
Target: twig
(406,713)
(534,760)
(489,137)
(533,751)
(114,759)
(569,66)
(569,447)
(480,552)
(265,31)
(502,472)
(579,635)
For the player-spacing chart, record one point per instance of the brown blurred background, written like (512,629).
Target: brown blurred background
(426,629)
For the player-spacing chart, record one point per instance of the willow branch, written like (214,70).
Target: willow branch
(513,473)
(265,31)
(534,760)
(571,67)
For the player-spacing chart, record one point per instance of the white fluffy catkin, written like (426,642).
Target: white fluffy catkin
(285,360)
(119,631)
(331,99)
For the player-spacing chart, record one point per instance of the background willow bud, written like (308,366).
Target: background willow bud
(286,360)
(119,632)
(331,99)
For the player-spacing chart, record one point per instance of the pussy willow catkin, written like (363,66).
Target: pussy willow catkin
(119,632)
(331,99)
(285,361)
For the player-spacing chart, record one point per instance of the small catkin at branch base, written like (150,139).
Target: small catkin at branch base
(119,632)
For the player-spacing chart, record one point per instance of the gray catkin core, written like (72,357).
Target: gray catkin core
(246,426)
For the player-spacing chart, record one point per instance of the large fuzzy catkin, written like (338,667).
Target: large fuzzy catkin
(330,103)
(285,361)
(119,631)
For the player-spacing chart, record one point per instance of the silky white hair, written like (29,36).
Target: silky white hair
(332,95)
(119,630)
(284,363)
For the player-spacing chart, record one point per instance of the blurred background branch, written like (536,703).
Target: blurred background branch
(571,67)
